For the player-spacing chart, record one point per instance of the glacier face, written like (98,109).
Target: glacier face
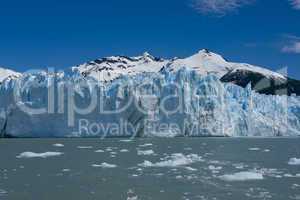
(168,104)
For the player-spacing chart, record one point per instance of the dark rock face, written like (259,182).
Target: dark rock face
(262,84)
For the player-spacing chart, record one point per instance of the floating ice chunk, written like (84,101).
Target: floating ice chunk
(84,147)
(38,155)
(179,177)
(288,175)
(215,170)
(239,165)
(242,176)
(254,149)
(131,195)
(99,151)
(58,145)
(108,149)
(145,152)
(267,150)
(132,198)
(66,170)
(145,145)
(124,150)
(175,160)
(105,165)
(272,172)
(126,140)
(211,167)
(294,161)
(190,169)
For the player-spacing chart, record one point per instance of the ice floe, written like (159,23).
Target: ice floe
(145,145)
(190,169)
(145,152)
(99,151)
(175,160)
(294,161)
(58,145)
(126,140)
(254,149)
(214,169)
(239,165)
(38,155)
(105,165)
(84,147)
(242,176)
(108,149)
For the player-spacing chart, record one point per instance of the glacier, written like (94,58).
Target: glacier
(164,104)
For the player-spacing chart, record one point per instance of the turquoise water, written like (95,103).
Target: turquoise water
(179,168)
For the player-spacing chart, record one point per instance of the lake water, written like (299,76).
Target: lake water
(154,168)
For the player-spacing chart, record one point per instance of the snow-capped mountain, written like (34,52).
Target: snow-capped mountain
(8,74)
(110,68)
(204,62)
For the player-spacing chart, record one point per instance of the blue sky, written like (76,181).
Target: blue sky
(63,33)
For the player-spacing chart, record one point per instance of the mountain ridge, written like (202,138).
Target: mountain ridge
(204,62)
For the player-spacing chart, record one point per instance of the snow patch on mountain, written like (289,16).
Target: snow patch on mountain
(8,74)
(204,62)
(110,68)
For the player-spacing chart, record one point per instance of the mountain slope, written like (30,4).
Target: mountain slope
(110,68)
(204,62)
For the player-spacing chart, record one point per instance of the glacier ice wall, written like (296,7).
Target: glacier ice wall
(167,104)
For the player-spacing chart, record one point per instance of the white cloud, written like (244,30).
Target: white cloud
(219,7)
(294,47)
(295,4)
